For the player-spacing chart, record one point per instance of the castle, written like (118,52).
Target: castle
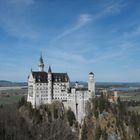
(46,87)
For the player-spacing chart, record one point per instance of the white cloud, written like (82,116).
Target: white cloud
(83,19)
(118,51)
(114,7)
(109,8)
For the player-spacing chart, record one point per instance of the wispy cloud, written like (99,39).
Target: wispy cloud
(61,55)
(82,20)
(66,57)
(108,9)
(23,29)
(78,45)
(118,51)
(114,7)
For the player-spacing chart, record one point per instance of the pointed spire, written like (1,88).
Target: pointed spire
(41,58)
(49,70)
(41,63)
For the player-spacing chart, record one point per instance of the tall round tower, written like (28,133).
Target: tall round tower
(49,85)
(41,64)
(91,84)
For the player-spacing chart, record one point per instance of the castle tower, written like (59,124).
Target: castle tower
(41,64)
(49,85)
(76,84)
(91,84)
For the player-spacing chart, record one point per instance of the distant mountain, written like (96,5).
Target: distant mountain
(117,84)
(4,83)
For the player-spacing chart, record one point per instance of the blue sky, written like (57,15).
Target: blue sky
(75,36)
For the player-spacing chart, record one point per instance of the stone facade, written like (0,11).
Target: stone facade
(46,87)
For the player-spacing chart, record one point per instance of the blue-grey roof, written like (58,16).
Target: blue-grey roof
(42,77)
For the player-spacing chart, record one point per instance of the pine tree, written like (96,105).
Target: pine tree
(70,117)
(84,132)
(98,133)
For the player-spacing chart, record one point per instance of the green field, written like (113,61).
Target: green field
(135,109)
(128,96)
(10,95)
(9,100)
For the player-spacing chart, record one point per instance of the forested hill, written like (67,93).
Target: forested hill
(49,122)
(110,121)
(103,121)
(4,83)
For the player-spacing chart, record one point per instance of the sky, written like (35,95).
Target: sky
(74,36)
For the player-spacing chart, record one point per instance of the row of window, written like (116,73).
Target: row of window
(46,95)
(43,95)
(44,98)
(41,91)
(40,88)
(42,84)
(62,98)
(46,91)
(60,94)
(56,98)
(46,88)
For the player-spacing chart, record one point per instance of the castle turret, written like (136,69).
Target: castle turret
(91,84)
(76,84)
(41,64)
(49,85)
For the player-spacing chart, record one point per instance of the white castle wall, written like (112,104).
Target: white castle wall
(77,102)
(43,93)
